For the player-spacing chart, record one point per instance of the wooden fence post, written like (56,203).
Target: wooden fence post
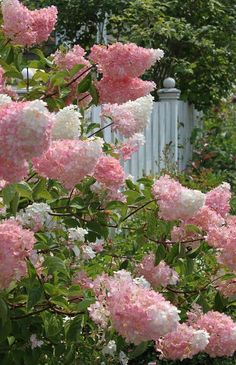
(168,122)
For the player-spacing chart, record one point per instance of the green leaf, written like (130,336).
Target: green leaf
(82,306)
(73,329)
(14,204)
(115,205)
(55,264)
(95,95)
(76,69)
(139,350)
(35,294)
(53,326)
(3,311)
(85,84)
(5,329)
(160,254)
(40,191)
(219,304)
(24,190)
(8,194)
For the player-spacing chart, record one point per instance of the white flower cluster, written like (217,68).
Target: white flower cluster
(157,54)
(85,251)
(67,123)
(110,348)
(34,131)
(37,217)
(199,340)
(191,202)
(77,234)
(5,99)
(123,358)
(141,109)
(141,281)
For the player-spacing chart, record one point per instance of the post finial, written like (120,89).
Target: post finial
(169,92)
(169,83)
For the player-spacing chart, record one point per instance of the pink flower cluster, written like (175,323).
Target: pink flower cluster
(4,89)
(183,343)
(218,199)
(222,331)
(224,239)
(69,161)
(121,90)
(136,313)
(66,61)
(26,27)
(24,133)
(121,66)
(109,172)
(16,244)
(227,287)
(131,117)
(213,221)
(157,275)
(175,201)
(131,145)
(119,61)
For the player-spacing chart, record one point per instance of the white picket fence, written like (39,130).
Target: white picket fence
(167,136)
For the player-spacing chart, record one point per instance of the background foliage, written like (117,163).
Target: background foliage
(198,38)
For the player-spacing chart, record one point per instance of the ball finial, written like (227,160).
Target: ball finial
(169,83)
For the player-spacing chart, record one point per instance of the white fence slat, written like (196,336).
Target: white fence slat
(172,122)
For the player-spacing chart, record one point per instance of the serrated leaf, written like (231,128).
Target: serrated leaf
(55,264)
(24,190)
(3,311)
(76,69)
(8,194)
(160,254)
(85,84)
(139,350)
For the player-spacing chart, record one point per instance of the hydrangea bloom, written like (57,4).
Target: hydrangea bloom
(137,313)
(183,343)
(35,342)
(227,287)
(110,348)
(224,239)
(66,61)
(44,21)
(157,275)
(218,199)
(36,217)
(183,233)
(16,244)
(109,172)
(176,201)
(112,91)
(24,130)
(222,331)
(69,161)
(124,60)
(131,146)
(82,279)
(5,99)
(206,218)
(34,26)
(99,314)
(67,123)
(77,234)
(131,117)
(13,171)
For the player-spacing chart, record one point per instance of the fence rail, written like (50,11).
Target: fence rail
(167,135)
